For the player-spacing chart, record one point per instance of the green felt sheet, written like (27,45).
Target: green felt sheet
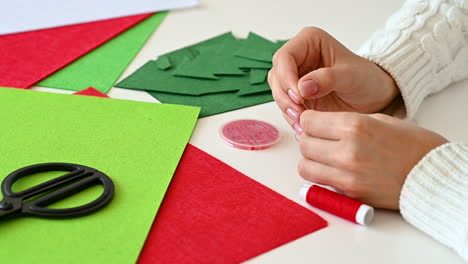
(210,74)
(101,67)
(216,59)
(254,89)
(245,63)
(178,56)
(164,63)
(138,145)
(258,76)
(194,68)
(212,104)
(257,48)
(208,65)
(150,78)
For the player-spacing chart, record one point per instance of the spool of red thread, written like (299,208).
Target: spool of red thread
(337,204)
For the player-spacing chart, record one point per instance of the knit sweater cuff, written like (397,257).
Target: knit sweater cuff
(409,68)
(434,196)
(416,49)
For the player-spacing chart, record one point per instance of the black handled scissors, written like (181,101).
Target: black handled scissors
(78,178)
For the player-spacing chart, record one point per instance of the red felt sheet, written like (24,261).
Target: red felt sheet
(90,91)
(26,58)
(214,214)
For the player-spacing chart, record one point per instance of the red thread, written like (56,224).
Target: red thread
(335,203)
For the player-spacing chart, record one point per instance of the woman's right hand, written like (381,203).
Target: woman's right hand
(315,70)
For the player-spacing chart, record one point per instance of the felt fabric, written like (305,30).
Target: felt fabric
(102,67)
(90,91)
(138,145)
(208,74)
(253,64)
(212,104)
(257,48)
(254,89)
(215,59)
(215,214)
(258,76)
(193,79)
(151,78)
(194,68)
(177,56)
(26,58)
(164,63)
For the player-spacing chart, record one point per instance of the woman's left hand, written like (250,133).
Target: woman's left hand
(368,157)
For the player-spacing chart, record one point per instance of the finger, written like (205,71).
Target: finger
(319,150)
(285,66)
(281,98)
(326,125)
(289,120)
(322,174)
(305,49)
(298,56)
(294,124)
(323,81)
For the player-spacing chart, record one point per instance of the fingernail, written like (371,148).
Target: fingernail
(308,88)
(296,99)
(298,128)
(297,137)
(293,114)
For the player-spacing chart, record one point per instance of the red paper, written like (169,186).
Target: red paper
(90,91)
(214,214)
(26,58)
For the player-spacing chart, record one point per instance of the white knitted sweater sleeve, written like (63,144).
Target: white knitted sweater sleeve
(424,46)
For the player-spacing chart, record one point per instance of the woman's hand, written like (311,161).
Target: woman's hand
(366,156)
(315,70)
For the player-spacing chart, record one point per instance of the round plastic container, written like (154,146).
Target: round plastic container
(249,134)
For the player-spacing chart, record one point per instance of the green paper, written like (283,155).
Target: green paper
(150,78)
(258,76)
(164,63)
(257,48)
(212,104)
(101,67)
(137,144)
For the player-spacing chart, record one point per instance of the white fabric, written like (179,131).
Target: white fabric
(424,46)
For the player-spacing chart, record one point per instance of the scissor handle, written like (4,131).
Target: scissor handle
(79,178)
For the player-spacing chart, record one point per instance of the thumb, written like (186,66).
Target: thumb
(323,81)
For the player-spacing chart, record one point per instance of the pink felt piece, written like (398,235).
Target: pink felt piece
(26,58)
(92,92)
(214,214)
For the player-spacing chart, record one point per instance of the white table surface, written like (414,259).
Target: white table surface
(389,239)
